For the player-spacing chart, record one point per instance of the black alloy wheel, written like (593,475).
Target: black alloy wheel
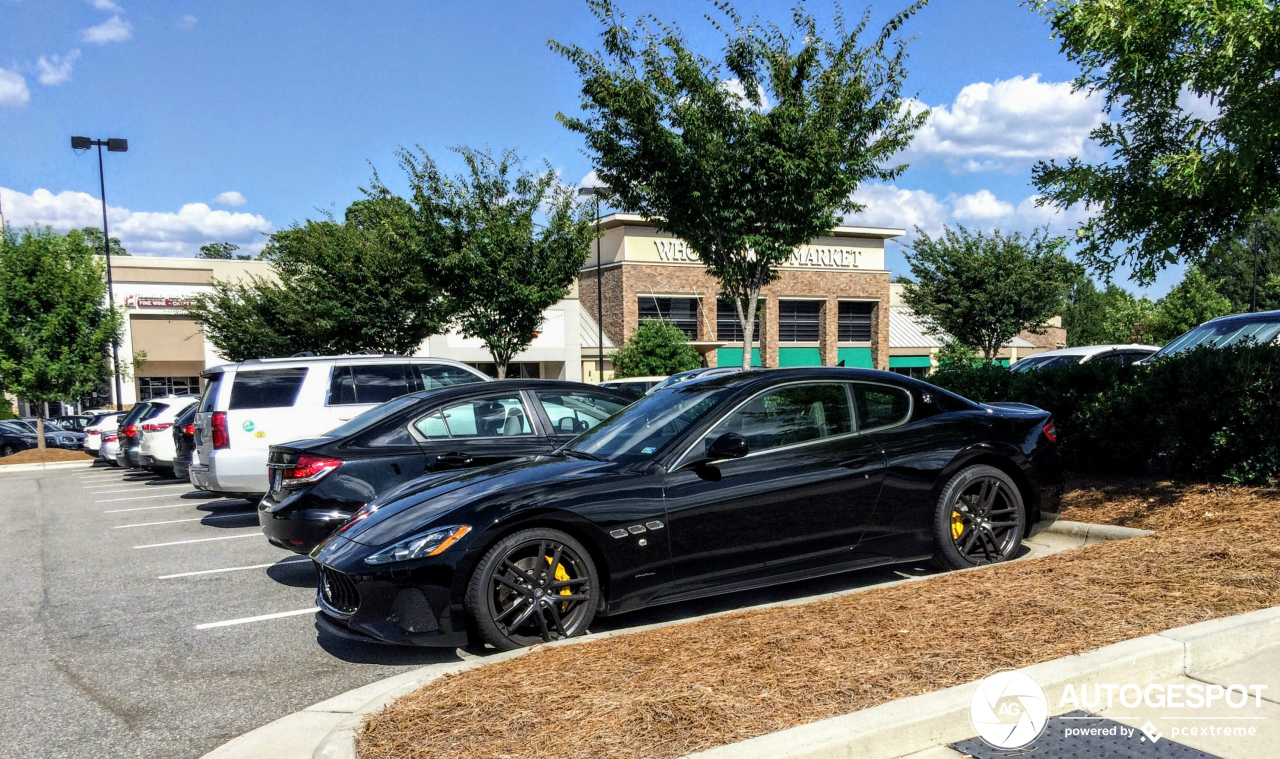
(533,586)
(980,519)
(7,449)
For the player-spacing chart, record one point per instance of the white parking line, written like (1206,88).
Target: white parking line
(247,620)
(137,498)
(175,521)
(149,508)
(232,569)
(148,489)
(254,534)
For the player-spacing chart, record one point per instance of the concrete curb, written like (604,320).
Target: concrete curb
(1094,533)
(13,468)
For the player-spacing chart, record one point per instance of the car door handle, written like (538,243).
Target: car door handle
(454,459)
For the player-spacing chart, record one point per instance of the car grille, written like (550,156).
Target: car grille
(338,590)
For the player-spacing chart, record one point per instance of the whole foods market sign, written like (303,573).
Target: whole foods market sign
(805,256)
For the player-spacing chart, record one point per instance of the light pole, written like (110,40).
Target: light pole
(595,193)
(113,145)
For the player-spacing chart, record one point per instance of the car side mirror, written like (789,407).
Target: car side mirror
(730,445)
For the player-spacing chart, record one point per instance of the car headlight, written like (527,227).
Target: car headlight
(431,544)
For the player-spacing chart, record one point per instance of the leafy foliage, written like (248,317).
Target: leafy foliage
(225,251)
(751,156)
(1202,414)
(1229,264)
(655,348)
(1195,156)
(1190,303)
(93,238)
(1108,316)
(512,241)
(982,290)
(55,325)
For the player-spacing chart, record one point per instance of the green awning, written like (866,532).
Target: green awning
(799,357)
(910,362)
(859,358)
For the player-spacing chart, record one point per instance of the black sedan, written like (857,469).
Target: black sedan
(705,487)
(317,484)
(16,437)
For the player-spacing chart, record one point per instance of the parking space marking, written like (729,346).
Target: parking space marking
(175,521)
(254,534)
(148,489)
(264,617)
(138,497)
(233,569)
(149,508)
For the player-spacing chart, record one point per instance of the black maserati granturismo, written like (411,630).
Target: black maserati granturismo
(705,487)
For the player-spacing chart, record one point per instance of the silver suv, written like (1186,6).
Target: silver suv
(248,407)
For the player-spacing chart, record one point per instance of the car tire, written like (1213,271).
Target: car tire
(509,596)
(7,449)
(979,519)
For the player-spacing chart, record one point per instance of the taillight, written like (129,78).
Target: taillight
(218,425)
(160,427)
(308,469)
(1051,431)
(110,437)
(130,430)
(91,431)
(189,429)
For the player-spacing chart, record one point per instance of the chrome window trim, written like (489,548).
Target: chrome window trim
(853,413)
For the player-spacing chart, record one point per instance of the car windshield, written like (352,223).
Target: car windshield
(1051,362)
(642,430)
(372,416)
(14,429)
(135,413)
(1222,334)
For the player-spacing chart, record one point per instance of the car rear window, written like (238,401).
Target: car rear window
(269,388)
(156,410)
(210,397)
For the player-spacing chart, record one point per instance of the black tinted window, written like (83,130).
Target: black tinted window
(432,376)
(881,405)
(210,397)
(156,410)
(790,415)
(270,388)
(342,387)
(379,383)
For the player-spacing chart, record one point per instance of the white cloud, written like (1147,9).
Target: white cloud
(105,5)
(112,30)
(1008,125)
(1198,106)
(734,86)
(591,180)
(147,233)
(188,21)
(891,206)
(230,198)
(13,89)
(56,69)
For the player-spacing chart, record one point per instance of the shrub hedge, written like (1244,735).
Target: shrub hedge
(1204,414)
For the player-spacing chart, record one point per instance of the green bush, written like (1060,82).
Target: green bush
(655,348)
(1204,414)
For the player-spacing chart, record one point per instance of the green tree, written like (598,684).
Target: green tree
(748,157)
(55,324)
(1107,316)
(1196,152)
(93,238)
(982,290)
(514,240)
(1191,302)
(343,286)
(221,250)
(1229,264)
(655,348)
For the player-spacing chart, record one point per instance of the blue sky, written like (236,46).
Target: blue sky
(244,117)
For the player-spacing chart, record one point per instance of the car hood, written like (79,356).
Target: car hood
(416,505)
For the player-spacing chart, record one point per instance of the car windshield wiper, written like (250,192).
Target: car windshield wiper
(580,454)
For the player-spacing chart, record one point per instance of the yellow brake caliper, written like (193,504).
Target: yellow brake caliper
(561,576)
(957,525)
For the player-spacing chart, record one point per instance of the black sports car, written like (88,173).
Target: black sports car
(706,487)
(317,484)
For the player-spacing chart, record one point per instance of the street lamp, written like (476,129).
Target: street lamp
(595,193)
(113,145)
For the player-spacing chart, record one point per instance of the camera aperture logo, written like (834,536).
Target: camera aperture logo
(1009,709)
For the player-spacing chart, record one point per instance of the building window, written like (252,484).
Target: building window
(798,320)
(855,321)
(158,387)
(515,369)
(915,372)
(682,312)
(728,328)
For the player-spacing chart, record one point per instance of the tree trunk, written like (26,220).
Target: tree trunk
(40,431)
(502,370)
(748,325)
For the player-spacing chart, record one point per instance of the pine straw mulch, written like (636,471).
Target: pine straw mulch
(36,456)
(671,691)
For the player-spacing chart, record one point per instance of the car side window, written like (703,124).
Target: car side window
(432,426)
(881,405)
(502,416)
(368,383)
(789,415)
(574,412)
(432,376)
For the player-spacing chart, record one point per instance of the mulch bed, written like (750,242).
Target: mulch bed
(36,456)
(688,687)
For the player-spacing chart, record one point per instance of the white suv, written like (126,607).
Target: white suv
(155,446)
(250,406)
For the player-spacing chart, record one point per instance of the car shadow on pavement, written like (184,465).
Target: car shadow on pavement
(362,652)
(295,574)
(233,520)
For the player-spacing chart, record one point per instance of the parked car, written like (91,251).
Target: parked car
(692,374)
(111,443)
(1119,355)
(247,407)
(55,436)
(735,482)
(16,437)
(317,484)
(1262,328)
(155,444)
(184,442)
(101,424)
(127,442)
(72,423)
(636,387)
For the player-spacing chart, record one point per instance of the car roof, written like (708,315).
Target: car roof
(654,378)
(1092,350)
(513,385)
(354,359)
(1259,316)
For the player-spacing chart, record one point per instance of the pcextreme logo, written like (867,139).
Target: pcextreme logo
(1009,709)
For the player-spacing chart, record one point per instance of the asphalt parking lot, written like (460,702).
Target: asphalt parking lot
(143,618)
